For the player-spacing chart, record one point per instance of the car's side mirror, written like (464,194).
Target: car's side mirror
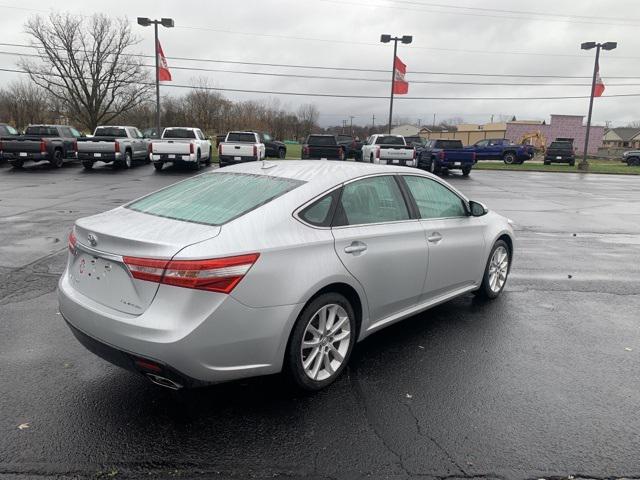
(477,209)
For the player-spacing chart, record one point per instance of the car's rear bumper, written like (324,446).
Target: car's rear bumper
(225,160)
(202,337)
(171,157)
(395,161)
(560,158)
(24,156)
(101,157)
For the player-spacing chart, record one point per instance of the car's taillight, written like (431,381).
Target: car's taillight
(414,153)
(191,148)
(473,156)
(43,146)
(117,147)
(72,242)
(255,151)
(150,148)
(0,145)
(441,155)
(75,145)
(214,275)
(305,149)
(219,149)
(378,152)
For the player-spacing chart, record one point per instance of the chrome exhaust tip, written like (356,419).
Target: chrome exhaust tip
(163,382)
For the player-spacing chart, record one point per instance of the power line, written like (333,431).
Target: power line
(351,69)
(334,95)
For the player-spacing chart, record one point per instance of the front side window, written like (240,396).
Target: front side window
(75,132)
(214,199)
(267,137)
(483,143)
(433,199)
(371,200)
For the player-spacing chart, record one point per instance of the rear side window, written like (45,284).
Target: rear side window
(320,212)
(433,199)
(321,140)
(179,133)
(371,200)
(214,199)
(241,137)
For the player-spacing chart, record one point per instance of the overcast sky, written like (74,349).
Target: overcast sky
(346,34)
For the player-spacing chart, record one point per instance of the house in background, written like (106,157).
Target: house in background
(622,137)
(406,130)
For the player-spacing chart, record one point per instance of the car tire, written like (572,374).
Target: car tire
(572,163)
(633,161)
(433,167)
(126,162)
(496,271)
(87,165)
(509,158)
(282,153)
(58,159)
(330,358)
(158,166)
(466,171)
(198,163)
(371,158)
(547,163)
(207,162)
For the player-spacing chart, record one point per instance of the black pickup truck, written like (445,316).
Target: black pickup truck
(322,147)
(51,143)
(440,155)
(560,152)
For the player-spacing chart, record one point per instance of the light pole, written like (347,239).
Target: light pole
(584,164)
(165,22)
(386,39)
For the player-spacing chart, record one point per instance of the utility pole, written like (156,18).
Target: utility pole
(351,117)
(386,39)
(373,122)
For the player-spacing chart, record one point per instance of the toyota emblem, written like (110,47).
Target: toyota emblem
(92,239)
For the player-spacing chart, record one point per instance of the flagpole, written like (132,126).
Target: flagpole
(158,133)
(393,80)
(584,164)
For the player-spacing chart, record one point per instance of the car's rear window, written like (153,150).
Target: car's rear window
(241,137)
(564,145)
(322,140)
(390,140)
(449,144)
(43,131)
(179,133)
(110,132)
(214,199)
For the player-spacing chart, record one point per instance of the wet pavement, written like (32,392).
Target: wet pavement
(542,382)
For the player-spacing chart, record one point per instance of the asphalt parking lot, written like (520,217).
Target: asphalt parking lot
(542,382)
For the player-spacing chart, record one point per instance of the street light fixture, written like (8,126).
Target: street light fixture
(584,164)
(386,38)
(168,23)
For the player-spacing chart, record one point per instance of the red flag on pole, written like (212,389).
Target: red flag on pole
(164,75)
(400,86)
(599,90)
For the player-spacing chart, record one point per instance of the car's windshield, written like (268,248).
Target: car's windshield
(110,132)
(179,133)
(214,199)
(241,137)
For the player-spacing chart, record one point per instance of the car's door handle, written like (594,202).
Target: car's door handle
(355,247)
(435,237)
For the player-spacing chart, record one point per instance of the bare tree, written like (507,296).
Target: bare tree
(308,115)
(83,62)
(24,103)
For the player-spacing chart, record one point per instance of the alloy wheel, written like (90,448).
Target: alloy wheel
(498,269)
(325,342)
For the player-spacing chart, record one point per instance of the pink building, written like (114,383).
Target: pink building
(560,126)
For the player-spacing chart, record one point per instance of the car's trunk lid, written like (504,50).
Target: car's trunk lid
(98,269)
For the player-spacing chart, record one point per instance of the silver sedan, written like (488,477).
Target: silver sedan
(274,266)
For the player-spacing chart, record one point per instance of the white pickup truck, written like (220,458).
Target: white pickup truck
(241,147)
(181,145)
(389,149)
